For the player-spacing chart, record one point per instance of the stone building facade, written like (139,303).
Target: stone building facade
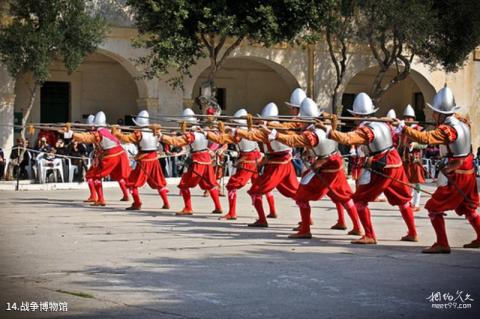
(109,80)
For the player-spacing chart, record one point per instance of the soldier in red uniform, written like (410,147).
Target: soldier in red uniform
(411,153)
(384,166)
(200,172)
(112,159)
(457,184)
(278,170)
(325,175)
(148,169)
(247,166)
(90,174)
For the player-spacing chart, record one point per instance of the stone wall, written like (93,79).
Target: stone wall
(254,75)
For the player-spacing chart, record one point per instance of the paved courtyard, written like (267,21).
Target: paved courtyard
(112,263)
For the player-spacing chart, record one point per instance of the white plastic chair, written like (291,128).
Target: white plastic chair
(30,167)
(57,166)
(39,167)
(72,169)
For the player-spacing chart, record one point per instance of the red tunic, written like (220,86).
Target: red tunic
(357,164)
(395,192)
(412,160)
(369,189)
(112,162)
(329,180)
(461,192)
(246,170)
(278,173)
(450,198)
(278,170)
(329,177)
(148,170)
(201,170)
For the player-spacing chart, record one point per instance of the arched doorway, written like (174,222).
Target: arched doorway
(414,90)
(251,83)
(100,83)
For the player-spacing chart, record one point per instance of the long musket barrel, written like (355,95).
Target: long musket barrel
(285,118)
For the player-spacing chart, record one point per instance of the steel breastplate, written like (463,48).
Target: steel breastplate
(247,146)
(462,146)
(325,146)
(382,137)
(149,142)
(200,143)
(108,143)
(276,146)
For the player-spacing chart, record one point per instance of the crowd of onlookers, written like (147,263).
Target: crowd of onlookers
(51,148)
(47,150)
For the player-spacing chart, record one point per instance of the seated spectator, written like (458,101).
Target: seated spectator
(76,150)
(48,159)
(67,137)
(177,158)
(50,136)
(2,164)
(42,145)
(60,148)
(18,165)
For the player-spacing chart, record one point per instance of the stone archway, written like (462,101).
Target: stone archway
(414,90)
(136,75)
(250,82)
(104,81)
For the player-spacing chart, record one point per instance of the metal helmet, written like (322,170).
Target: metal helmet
(444,102)
(142,119)
(90,119)
(363,105)
(100,119)
(240,113)
(187,114)
(409,111)
(269,110)
(309,108)
(391,114)
(296,98)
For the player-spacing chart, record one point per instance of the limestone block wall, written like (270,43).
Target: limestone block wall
(253,75)
(7,99)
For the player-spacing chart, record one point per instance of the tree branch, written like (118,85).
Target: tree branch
(229,50)
(386,54)
(332,56)
(205,41)
(220,45)
(343,61)
(374,51)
